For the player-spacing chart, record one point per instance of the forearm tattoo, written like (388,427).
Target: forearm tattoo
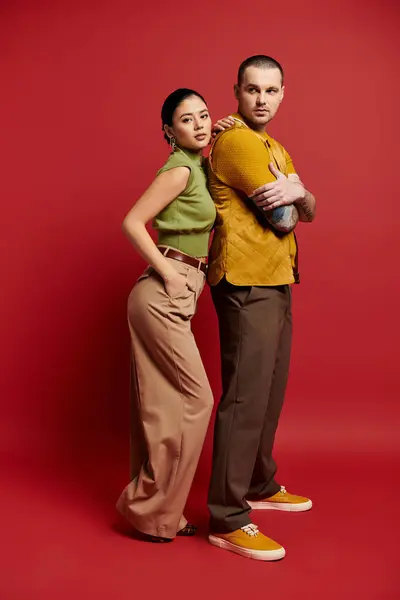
(283,218)
(305,208)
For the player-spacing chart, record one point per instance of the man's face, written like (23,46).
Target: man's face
(259,94)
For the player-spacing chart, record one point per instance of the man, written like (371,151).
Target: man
(253,260)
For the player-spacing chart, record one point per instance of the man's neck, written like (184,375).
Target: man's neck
(257,128)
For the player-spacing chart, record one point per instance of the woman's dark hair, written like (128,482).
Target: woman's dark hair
(171,104)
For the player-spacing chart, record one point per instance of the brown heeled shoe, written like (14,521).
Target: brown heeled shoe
(187,531)
(155,539)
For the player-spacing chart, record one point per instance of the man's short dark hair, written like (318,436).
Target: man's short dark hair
(261,61)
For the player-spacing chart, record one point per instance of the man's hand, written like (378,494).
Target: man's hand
(222,124)
(281,192)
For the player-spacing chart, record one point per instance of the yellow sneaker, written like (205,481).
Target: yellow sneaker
(282,500)
(249,542)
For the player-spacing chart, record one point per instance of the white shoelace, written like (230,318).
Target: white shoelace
(250,529)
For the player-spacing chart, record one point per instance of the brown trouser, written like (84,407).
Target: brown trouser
(171,403)
(255,325)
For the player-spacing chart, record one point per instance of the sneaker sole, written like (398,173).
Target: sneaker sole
(266,555)
(301,507)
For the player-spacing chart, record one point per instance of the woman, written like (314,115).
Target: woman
(171,396)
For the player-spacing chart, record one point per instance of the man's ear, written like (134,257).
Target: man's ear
(283,92)
(236,91)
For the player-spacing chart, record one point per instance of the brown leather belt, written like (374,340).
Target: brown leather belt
(188,260)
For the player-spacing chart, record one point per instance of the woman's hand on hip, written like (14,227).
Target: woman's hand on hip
(175,284)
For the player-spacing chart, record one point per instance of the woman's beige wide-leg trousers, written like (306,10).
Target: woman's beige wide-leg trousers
(171,403)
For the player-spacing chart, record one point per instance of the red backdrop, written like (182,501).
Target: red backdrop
(82,87)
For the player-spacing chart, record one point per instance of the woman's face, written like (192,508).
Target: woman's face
(191,124)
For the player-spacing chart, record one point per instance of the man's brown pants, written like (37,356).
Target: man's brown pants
(255,326)
(171,403)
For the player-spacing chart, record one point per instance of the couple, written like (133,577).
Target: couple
(253,199)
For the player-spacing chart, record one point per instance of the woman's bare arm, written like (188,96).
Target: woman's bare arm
(163,190)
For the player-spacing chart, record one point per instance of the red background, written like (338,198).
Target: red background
(82,87)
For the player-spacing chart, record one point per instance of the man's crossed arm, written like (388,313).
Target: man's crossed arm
(283,198)
(239,161)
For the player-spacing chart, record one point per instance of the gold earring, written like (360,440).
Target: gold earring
(172,141)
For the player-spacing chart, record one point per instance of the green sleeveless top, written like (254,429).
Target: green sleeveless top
(186,223)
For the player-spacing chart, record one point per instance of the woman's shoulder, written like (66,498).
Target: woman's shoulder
(175,159)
